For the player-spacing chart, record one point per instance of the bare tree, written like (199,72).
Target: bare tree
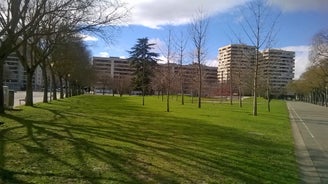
(319,52)
(241,75)
(319,60)
(168,58)
(181,45)
(313,83)
(259,28)
(157,83)
(169,55)
(21,24)
(198,32)
(319,48)
(123,84)
(11,28)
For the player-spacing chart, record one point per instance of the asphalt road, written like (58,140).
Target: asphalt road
(310,130)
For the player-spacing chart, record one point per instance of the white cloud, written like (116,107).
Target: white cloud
(88,37)
(295,5)
(157,41)
(212,62)
(301,58)
(156,13)
(162,59)
(159,46)
(103,54)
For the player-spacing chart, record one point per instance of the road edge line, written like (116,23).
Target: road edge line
(307,171)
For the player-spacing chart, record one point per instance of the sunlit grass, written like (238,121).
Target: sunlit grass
(105,139)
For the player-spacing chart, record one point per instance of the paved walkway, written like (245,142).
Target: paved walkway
(310,130)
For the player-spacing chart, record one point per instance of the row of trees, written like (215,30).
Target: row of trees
(259,30)
(37,29)
(46,33)
(312,86)
(143,60)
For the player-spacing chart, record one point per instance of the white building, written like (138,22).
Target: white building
(109,70)
(15,75)
(236,68)
(277,68)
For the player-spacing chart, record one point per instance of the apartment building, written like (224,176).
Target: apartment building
(236,69)
(188,75)
(15,75)
(109,70)
(234,58)
(277,69)
(112,70)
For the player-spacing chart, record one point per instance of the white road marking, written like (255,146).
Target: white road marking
(308,130)
(301,120)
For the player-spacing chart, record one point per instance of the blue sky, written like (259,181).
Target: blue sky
(299,20)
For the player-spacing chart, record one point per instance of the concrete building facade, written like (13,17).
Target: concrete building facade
(236,69)
(15,75)
(277,68)
(110,70)
(188,76)
(234,58)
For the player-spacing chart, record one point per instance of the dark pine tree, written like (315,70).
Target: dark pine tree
(143,61)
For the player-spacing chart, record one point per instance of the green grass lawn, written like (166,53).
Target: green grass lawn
(105,139)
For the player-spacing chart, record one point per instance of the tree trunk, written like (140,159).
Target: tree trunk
(162,94)
(230,87)
(326,95)
(168,101)
(61,88)
(45,84)
(200,83)
(143,85)
(2,105)
(143,97)
(29,88)
(181,86)
(66,88)
(168,87)
(54,86)
(240,98)
(269,100)
(255,82)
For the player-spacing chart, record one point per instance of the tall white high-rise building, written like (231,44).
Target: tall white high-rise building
(234,58)
(277,69)
(236,68)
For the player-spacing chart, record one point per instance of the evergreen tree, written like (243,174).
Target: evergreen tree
(143,61)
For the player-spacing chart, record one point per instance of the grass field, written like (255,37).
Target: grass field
(105,139)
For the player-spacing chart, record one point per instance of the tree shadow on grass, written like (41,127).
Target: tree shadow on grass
(129,147)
